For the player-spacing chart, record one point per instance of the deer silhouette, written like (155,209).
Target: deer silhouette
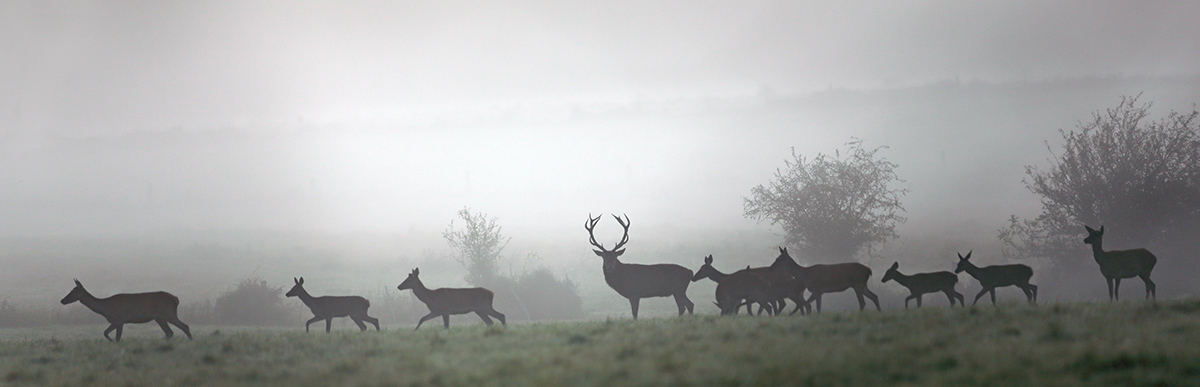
(821,279)
(1118,264)
(447,301)
(135,308)
(744,285)
(634,281)
(992,277)
(921,283)
(739,285)
(328,307)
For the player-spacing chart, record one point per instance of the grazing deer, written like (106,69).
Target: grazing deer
(921,283)
(447,301)
(1118,264)
(992,277)
(328,307)
(135,308)
(634,281)
(708,271)
(821,279)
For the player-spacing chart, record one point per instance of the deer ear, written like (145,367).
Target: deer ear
(895,265)
(960,257)
(1089,229)
(301,282)
(619,252)
(969,254)
(708,260)
(78,284)
(1102,229)
(416,271)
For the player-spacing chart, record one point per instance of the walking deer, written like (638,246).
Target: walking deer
(821,279)
(634,281)
(992,277)
(135,308)
(743,286)
(447,301)
(921,283)
(1118,264)
(328,307)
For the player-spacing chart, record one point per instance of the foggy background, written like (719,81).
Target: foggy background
(183,147)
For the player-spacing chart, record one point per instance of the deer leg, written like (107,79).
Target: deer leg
(910,296)
(961,300)
(799,304)
(328,324)
(633,304)
(1117,288)
(373,321)
(111,328)
(498,315)
(919,300)
(817,298)
(977,296)
(683,303)
(1150,291)
(1110,288)
(183,327)
(1028,292)
(1033,288)
(875,299)
(424,319)
(120,329)
(310,321)
(446,320)
(993,292)
(166,329)
(949,295)
(486,320)
(358,321)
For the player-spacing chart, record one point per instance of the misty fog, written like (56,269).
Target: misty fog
(184,147)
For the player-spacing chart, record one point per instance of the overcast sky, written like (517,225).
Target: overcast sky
(81,67)
(406,69)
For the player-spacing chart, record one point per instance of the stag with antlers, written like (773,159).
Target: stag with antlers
(634,281)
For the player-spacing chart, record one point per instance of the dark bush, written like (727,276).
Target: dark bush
(254,302)
(549,298)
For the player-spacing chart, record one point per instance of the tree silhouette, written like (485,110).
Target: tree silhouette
(478,246)
(832,206)
(1139,178)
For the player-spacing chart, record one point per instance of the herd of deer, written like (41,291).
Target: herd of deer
(768,287)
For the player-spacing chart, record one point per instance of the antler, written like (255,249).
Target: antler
(625,225)
(590,225)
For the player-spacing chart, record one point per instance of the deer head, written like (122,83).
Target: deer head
(785,261)
(963,264)
(297,289)
(706,270)
(1094,235)
(609,256)
(75,294)
(412,281)
(892,272)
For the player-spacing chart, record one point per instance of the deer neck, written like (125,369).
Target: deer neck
(421,291)
(612,266)
(973,270)
(1097,252)
(716,275)
(304,297)
(901,279)
(91,302)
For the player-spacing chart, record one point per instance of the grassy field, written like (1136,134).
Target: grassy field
(1128,343)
